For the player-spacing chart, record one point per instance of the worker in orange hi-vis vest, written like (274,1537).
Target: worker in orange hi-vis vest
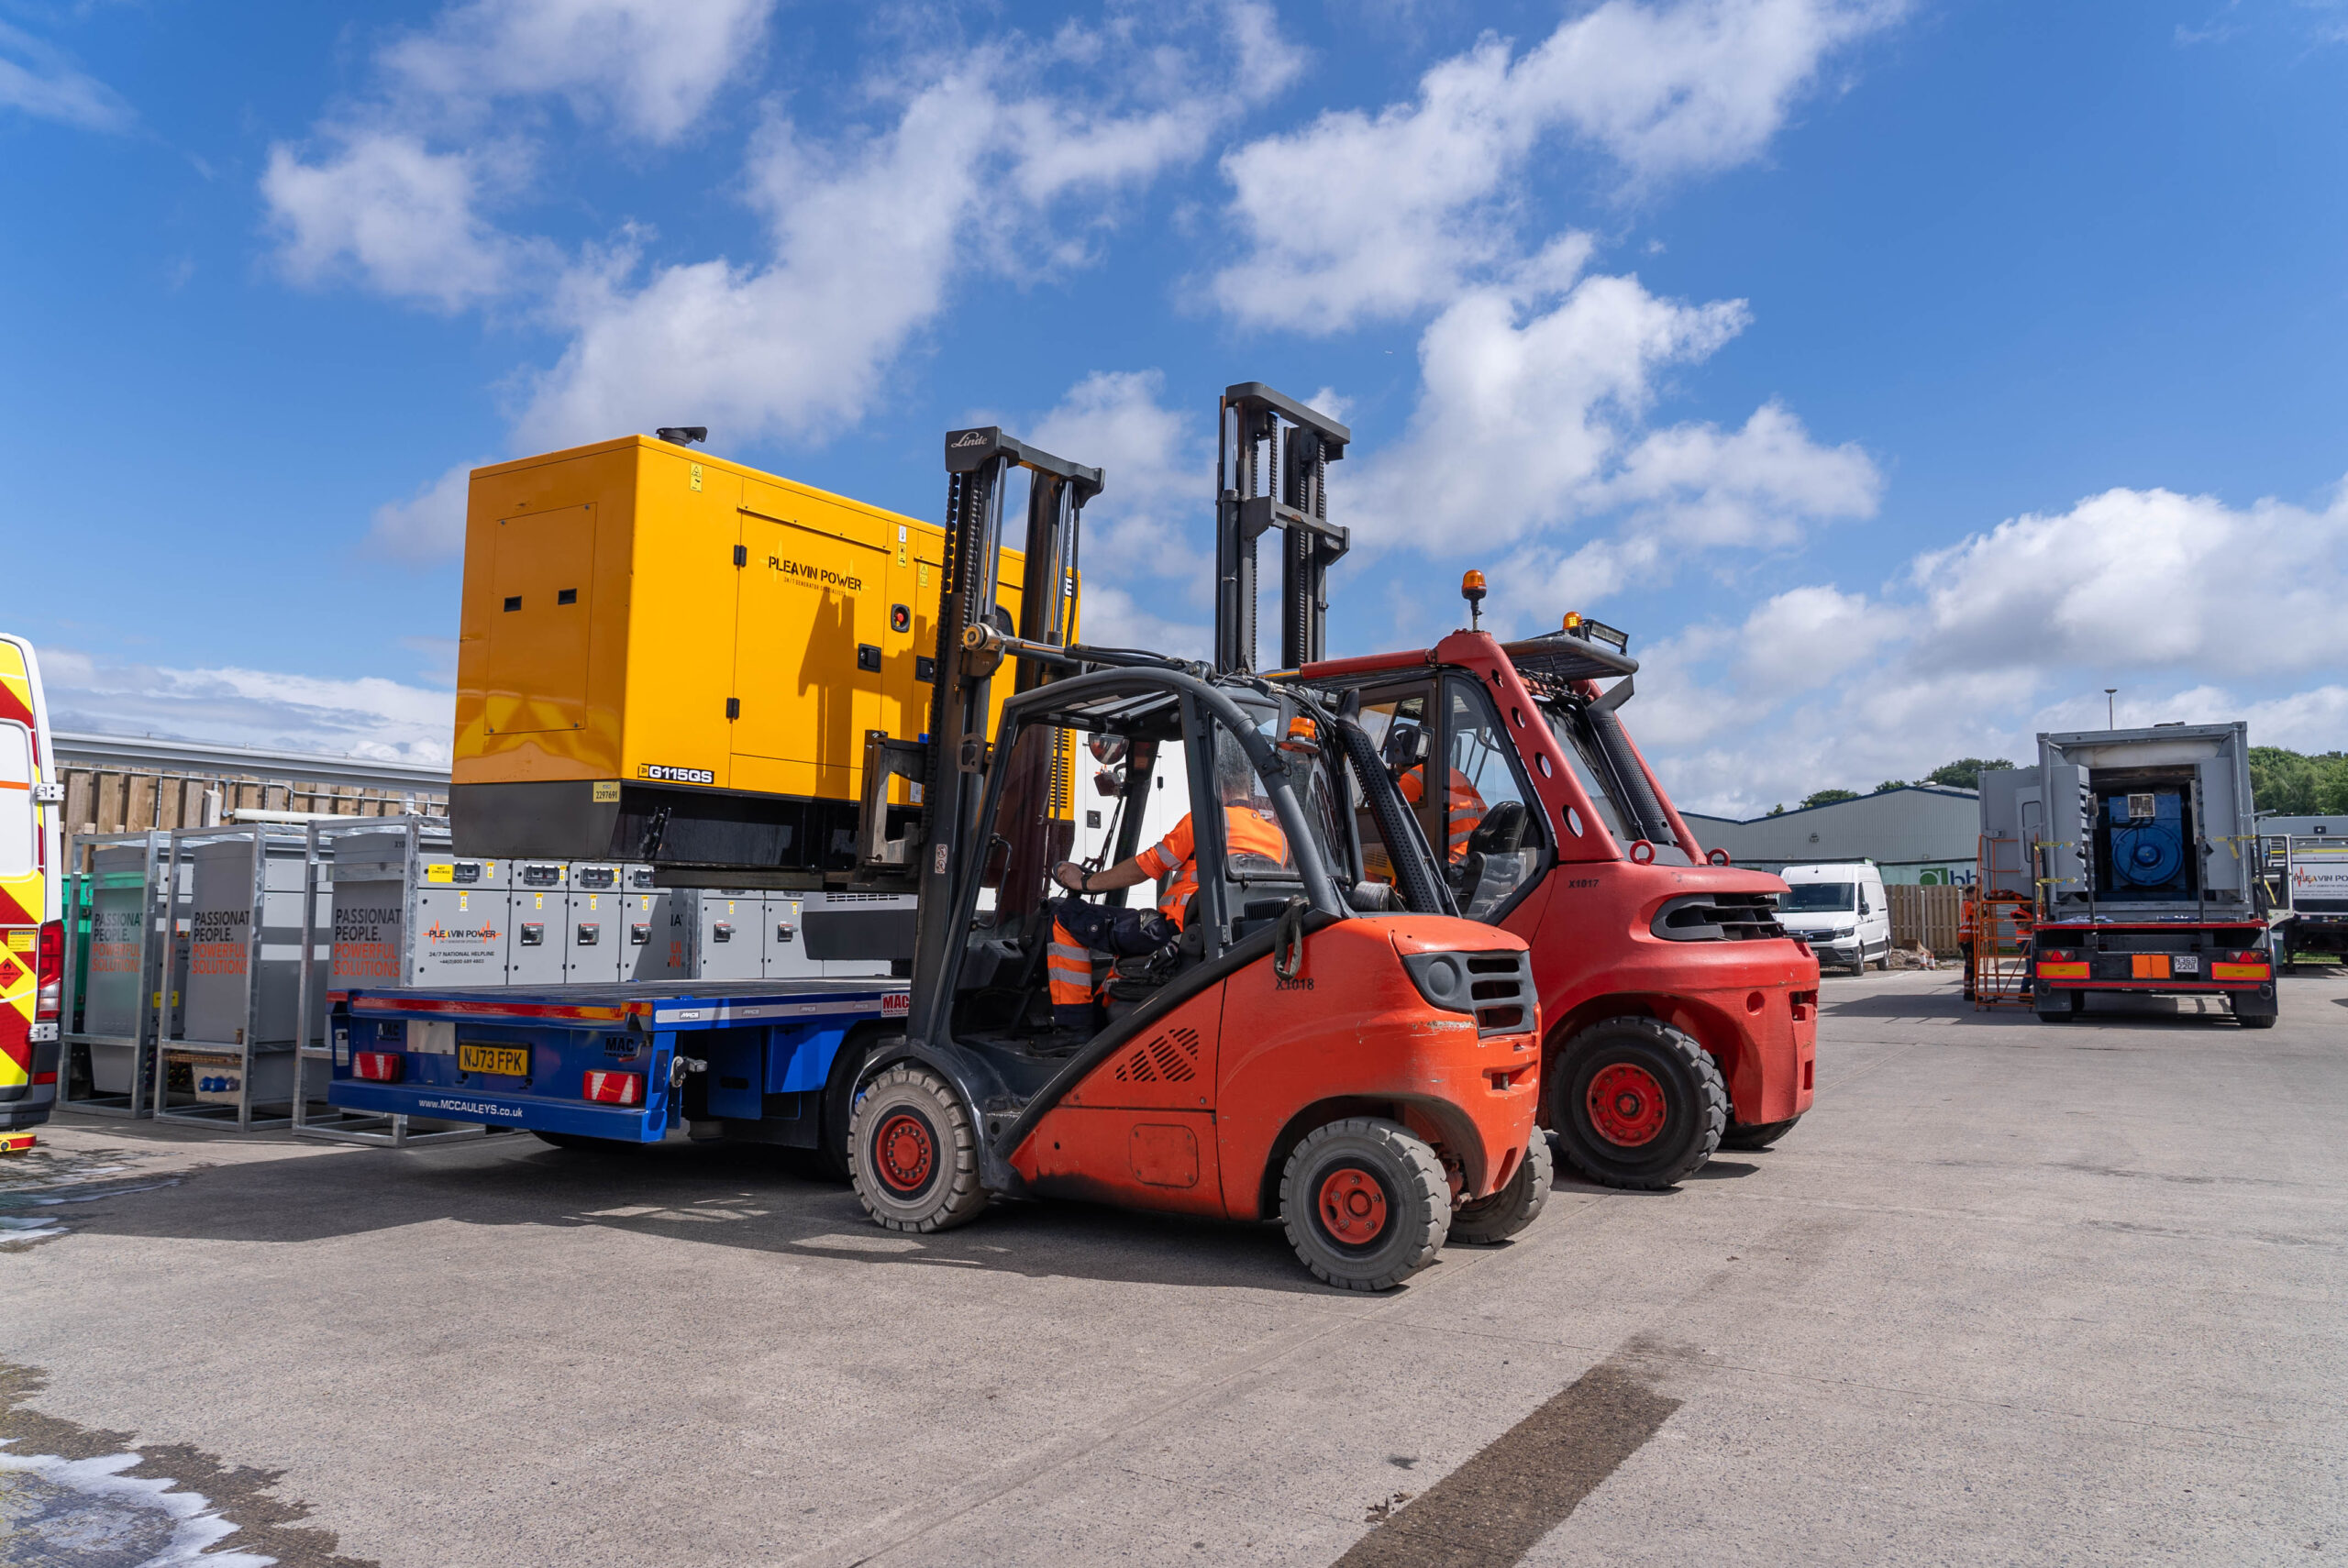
(1467,806)
(1080,930)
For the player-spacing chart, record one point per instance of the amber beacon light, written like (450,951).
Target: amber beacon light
(1471,588)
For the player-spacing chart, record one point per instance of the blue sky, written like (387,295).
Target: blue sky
(1901,375)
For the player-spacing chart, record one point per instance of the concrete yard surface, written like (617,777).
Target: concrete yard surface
(2013,1293)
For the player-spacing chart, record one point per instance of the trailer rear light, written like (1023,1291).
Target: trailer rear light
(378,1067)
(615,1088)
(49,973)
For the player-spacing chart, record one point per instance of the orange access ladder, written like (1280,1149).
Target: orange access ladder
(2002,924)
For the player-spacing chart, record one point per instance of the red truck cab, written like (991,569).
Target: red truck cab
(1678,1016)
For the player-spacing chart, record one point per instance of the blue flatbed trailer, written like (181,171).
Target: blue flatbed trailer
(759,1061)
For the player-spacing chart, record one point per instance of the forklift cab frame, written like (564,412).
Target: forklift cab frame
(995,1061)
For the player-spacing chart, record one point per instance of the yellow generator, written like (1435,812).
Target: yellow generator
(671,658)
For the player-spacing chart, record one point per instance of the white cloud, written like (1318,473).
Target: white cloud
(40,79)
(427,527)
(2150,578)
(2198,611)
(1530,427)
(653,66)
(1148,552)
(869,239)
(394,215)
(1521,407)
(373,718)
(984,163)
(1150,527)
(1363,215)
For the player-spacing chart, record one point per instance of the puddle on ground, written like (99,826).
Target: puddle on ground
(88,1513)
(72,1497)
(37,1190)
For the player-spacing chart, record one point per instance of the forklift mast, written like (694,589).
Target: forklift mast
(1272,458)
(973,639)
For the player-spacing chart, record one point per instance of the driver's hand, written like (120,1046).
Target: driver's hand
(1069,875)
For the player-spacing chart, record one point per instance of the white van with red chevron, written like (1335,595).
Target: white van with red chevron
(32,929)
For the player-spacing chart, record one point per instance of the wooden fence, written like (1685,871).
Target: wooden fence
(1930,914)
(114,799)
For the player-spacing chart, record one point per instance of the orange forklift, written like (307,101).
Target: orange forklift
(1681,1017)
(1342,1052)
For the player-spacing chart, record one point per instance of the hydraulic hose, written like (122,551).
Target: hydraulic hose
(1653,826)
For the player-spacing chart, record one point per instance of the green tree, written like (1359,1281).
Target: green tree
(1828,797)
(1964,773)
(1891,784)
(1779,809)
(2331,787)
(2284,781)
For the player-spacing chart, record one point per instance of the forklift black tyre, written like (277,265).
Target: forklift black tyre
(1637,1103)
(839,1104)
(1755,1134)
(1490,1221)
(1365,1203)
(913,1153)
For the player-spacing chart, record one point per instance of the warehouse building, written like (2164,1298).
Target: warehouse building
(1926,834)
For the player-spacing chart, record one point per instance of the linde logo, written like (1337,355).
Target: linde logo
(817,575)
(676,775)
(969,439)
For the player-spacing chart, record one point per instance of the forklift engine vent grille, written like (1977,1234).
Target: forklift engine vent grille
(1718,917)
(1500,988)
(1172,1058)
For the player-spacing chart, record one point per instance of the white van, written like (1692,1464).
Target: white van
(1839,910)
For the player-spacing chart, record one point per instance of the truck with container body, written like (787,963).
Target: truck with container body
(2306,883)
(1678,1015)
(2140,853)
(669,666)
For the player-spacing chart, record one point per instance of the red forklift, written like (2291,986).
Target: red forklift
(1679,1016)
(1342,1051)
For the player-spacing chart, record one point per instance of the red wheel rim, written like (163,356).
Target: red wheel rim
(1627,1105)
(903,1153)
(1352,1205)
